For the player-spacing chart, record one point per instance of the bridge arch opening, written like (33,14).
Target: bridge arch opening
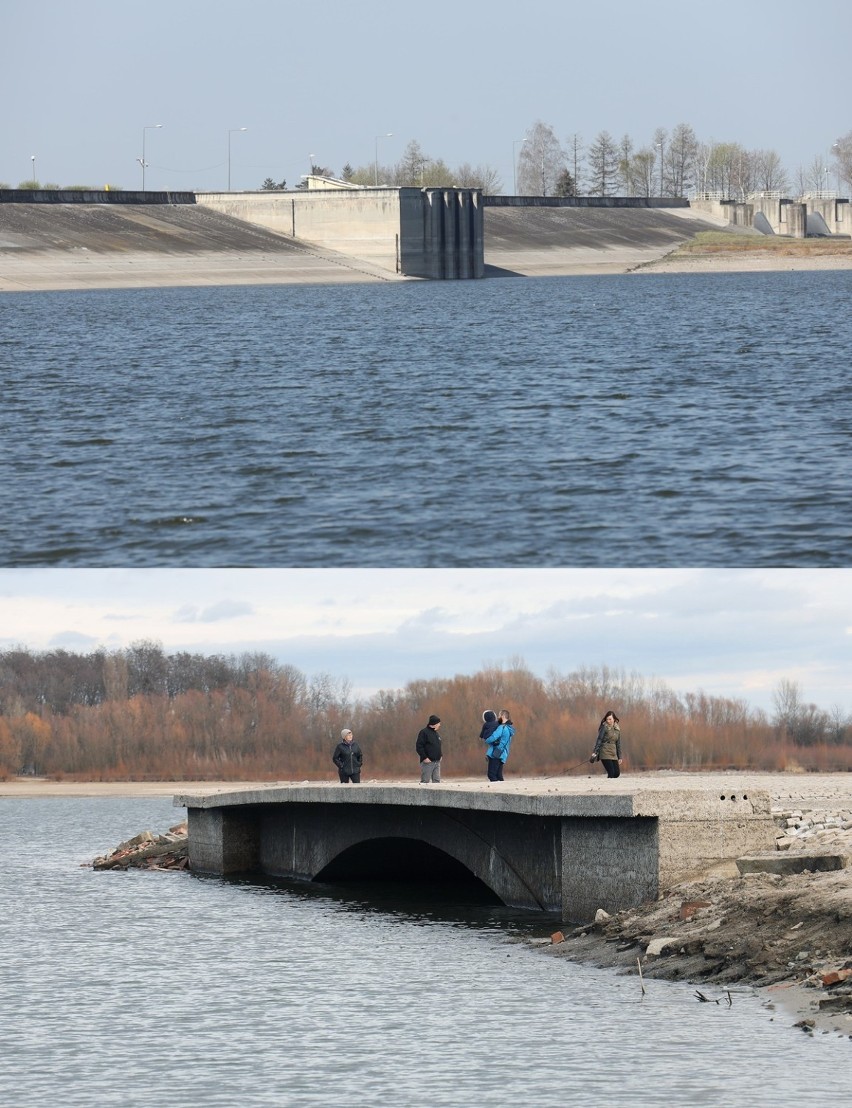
(405,861)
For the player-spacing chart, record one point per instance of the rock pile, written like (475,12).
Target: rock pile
(149,851)
(805,829)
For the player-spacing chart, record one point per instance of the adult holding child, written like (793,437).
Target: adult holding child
(498,733)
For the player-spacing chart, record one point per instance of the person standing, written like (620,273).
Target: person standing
(499,742)
(608,745)
(348,758)
(428,748)
(489,726)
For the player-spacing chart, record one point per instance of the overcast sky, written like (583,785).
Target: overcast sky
(728,632)
(322,80)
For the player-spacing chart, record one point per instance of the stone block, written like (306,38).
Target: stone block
(791,863)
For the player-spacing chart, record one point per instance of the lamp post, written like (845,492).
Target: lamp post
(388,134)
(232,131)
(515,165)
(661,167)
(147,127)
(32,159)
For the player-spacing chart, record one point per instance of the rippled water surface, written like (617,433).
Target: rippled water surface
(666,420)
(152,989)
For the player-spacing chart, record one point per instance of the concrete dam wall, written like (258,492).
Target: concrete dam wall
(432,233)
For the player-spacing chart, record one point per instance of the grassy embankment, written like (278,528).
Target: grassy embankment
(711,243)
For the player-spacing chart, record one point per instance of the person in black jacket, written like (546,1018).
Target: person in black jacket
(348,758)
(429,750)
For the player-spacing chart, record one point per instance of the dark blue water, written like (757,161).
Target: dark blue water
(629,421)
(152,989)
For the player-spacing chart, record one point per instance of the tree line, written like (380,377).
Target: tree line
(140,713)
(671,163)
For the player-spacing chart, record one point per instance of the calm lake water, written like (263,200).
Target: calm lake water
(153,989)
(630,421)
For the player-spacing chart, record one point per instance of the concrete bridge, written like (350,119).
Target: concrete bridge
(534,844)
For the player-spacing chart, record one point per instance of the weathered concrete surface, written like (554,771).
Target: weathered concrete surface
(541,242)
(535,847)
(67,246)
(428,233)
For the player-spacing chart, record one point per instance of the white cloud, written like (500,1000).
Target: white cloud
(729,632)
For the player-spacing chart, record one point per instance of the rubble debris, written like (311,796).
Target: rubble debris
(149,851)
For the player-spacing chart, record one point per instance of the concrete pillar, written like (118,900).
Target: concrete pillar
(433,234)
(478,239)
(451,235)
(222,840)
(608,863)
(797,220)
(465,256)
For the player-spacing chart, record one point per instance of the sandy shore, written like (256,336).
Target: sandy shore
(46,271)
(769,261)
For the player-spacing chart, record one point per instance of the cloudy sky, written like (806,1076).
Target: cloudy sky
(728,632)
(319,81)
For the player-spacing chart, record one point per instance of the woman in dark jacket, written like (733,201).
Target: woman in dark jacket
(608,745)
(348,758)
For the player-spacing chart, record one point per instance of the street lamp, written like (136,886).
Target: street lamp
(147,127)
(515,165)
(389,134)
(661,167)
(233,131)
(32,159)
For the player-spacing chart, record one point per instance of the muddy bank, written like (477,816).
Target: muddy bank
(780,922)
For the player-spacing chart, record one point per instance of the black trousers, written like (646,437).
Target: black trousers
(355,778)
(611,766)
(495,769)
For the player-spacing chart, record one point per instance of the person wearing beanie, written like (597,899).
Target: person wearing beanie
(428,748)
(499,742)
(348,758)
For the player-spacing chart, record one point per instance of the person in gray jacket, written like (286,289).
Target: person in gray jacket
(348,758)
(608,745)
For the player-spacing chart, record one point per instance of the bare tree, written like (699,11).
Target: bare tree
(411,170)
(603,165)
(541,161)
(483,177)
(769,175)
(681,159)
(575,158)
